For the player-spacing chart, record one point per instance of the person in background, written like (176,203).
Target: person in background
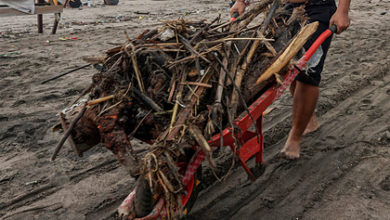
(305,88)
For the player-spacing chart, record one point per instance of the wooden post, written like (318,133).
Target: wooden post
(57,17)
(40,18)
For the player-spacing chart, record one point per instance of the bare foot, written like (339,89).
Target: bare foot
(312,126)
(291,149)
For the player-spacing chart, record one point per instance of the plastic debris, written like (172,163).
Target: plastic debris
(10,54)
(31,183)
(67,38)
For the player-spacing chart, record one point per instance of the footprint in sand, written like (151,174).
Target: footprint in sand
(349,110)
(385,184)
(355,73)
(366,104)
(49,97)
(18,102)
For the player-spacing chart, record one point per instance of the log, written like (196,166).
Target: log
(290,52)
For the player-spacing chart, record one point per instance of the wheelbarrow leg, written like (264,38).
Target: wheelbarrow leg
(242,163)
(259,154)
(253,145)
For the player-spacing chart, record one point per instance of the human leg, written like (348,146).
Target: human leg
(313,124)
(305,100)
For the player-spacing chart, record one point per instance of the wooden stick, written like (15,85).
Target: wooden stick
(270,47)
(237,39)
(242,70)
(172,90)
(163,112)
(199,138)
(174,115)
(239,94)
(148,100)
(192,93)
(193,56)
(178,97)
(183,115)
(139,125)
(67,133)
(191,49)
(198,33)
(221,82)
(220,26)
(202,142)
(66,73)
(248,38)
(198,84)
(136,69)
(166,181)
(245,19)
(241,57)
(367,157)
(290,52)
(169,50)
(160,45)
(99,100)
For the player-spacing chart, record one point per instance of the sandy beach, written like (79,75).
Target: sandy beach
(343,172)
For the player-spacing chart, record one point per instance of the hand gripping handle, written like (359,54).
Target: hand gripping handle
(317,43)
(333,28)
(234,17)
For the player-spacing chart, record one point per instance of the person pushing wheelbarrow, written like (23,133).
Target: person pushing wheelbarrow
(304,89)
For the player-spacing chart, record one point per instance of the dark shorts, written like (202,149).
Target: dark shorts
(322,13)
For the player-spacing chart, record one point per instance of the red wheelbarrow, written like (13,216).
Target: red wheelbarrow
(252,143)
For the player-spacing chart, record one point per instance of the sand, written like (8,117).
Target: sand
(343,173)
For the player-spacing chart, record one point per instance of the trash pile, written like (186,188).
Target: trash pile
(176,86)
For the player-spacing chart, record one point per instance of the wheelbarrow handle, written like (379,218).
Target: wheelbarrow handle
(301,64)
(234,16)
(317,43)
(333,28)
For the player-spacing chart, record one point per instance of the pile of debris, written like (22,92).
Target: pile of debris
(178,85)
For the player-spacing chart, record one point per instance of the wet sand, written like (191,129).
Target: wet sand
(343,173)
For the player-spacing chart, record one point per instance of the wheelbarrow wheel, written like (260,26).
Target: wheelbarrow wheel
(74,3)
(144,200)
(111,2)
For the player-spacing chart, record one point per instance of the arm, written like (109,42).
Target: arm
(340,18)
(239,6)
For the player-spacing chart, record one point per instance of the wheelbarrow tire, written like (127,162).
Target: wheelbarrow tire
(144,201)
(111,2)
(195,192)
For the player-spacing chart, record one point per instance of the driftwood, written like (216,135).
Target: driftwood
(180,84)
(290,52)
(68,132)
(248,60)
(100,100)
